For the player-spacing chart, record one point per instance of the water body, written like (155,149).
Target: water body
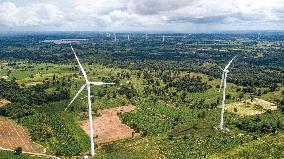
(65,41)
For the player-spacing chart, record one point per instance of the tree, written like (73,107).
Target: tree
(281,105)
(53,77)
(251,98)
(18,150)
(13,79)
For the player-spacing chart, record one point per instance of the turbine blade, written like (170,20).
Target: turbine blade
(229,64)
(101,83)
(108,83)
(221,82)
(80,90)
(97,83)
(81,67)
(219,67)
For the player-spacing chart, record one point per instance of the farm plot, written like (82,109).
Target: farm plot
(108,127)
(13,136)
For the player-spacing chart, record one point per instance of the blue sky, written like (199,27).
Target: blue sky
(141,15)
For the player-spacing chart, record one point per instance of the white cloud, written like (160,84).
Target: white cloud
(29,15)
(143,14)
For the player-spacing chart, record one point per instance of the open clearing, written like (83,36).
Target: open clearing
(108,127)
(13,135)
(247,107)
(4,102)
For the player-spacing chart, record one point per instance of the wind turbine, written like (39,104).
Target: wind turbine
(259,35)
(128,37)
(88,84)
(224,82)
(163,38)
(114,37)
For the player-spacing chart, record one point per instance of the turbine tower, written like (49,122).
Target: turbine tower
(128,37)
(163,38)
(224,82)
(114,37)
(88,84)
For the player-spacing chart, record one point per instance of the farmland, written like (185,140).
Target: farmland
(12,136)
(108,127)
(174,87)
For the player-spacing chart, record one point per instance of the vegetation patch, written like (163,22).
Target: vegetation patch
(250,107)
(269,122)
(270,146)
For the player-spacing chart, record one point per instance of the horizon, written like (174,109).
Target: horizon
(144,32)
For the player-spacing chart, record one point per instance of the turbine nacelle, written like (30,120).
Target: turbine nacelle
(226,71)
(88,83)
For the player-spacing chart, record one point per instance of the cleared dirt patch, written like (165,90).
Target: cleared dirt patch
(34,83)
(13,135)
(247,107)
(4,102)
(108,127)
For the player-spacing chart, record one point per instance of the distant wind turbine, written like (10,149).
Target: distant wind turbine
(128,37)
(114,37)
(259,35)
(224,83)
(163,38)
(88,84)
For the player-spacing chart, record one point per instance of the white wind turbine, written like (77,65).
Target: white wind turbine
(114,37)
(128,37)
(88,84)
(163,38)
(224,82)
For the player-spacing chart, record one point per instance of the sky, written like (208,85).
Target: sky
(141,15)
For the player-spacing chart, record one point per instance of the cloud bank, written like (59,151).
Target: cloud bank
(144,15)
